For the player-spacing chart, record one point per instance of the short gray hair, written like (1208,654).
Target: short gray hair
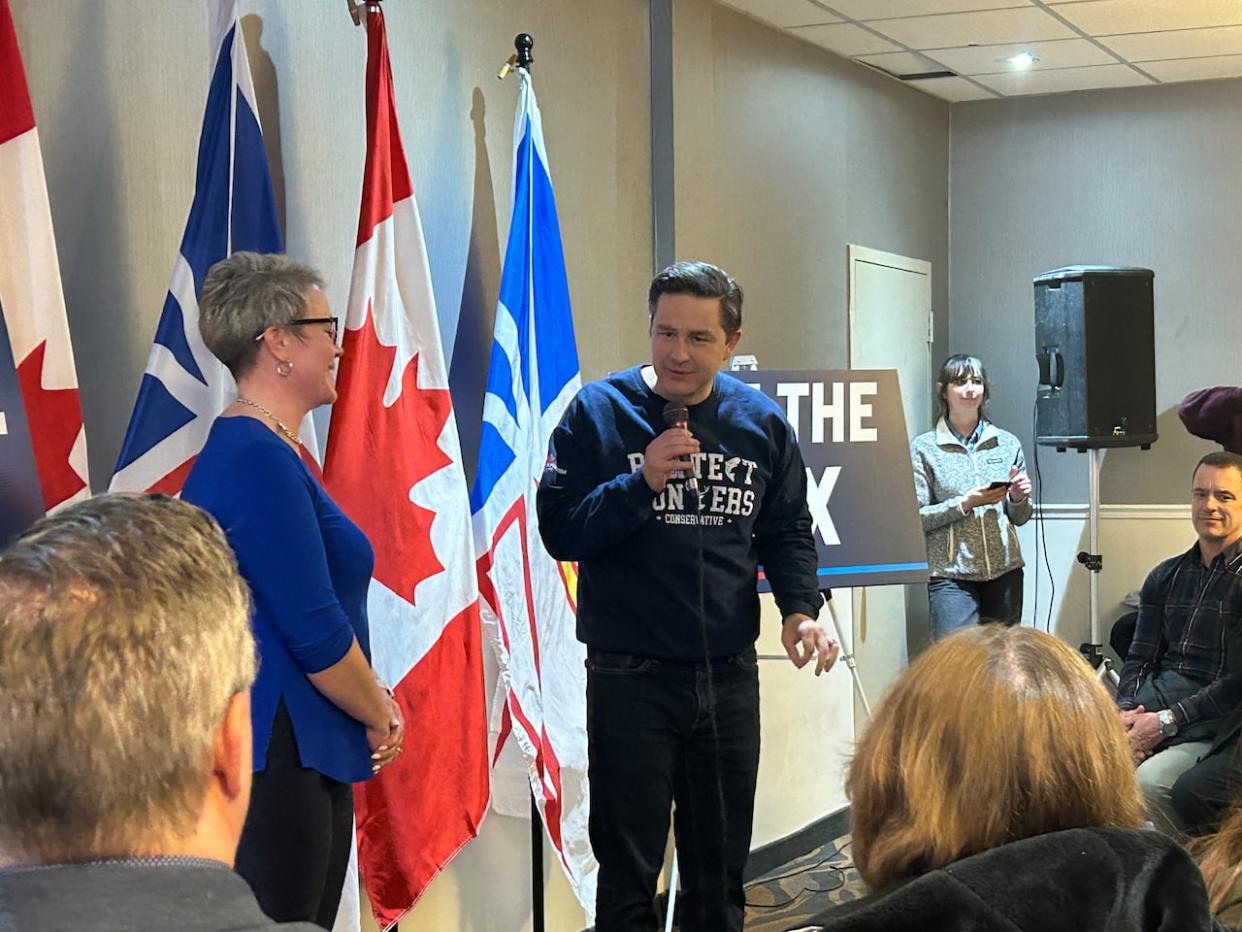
(124,633)
(703,280)
(245,294)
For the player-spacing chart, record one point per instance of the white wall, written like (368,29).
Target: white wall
(807,734)
(1133,539)
(1144,176)
(487,888)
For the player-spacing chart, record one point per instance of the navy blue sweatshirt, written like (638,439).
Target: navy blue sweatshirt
(653,567)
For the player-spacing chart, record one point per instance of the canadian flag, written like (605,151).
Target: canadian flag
(394,465)
(31,294)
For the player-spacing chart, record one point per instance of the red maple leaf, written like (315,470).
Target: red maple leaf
(55,419)
(376,455)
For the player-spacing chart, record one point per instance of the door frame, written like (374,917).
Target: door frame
(855,254)
(863,254)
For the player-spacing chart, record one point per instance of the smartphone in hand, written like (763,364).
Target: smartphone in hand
(999,484)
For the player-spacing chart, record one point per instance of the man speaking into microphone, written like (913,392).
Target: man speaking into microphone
(670,484)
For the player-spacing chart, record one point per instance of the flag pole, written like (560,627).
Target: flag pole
(536,866)
(522,58)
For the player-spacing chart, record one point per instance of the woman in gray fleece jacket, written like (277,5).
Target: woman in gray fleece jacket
(970,479)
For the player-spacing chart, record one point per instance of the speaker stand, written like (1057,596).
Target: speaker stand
(1093,560)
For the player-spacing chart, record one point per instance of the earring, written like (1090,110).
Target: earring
(284,368)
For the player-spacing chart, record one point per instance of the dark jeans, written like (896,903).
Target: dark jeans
(662,733)
(294,848)
(1203,794)
(959,603)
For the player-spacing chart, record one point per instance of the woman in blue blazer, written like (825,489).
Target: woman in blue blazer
(322,719)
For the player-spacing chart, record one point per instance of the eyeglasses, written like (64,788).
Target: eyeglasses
(334,324)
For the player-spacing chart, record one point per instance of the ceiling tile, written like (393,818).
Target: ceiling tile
(991,59)
(784,12)
(986,28)
(1181,43)
(845,39)
(889,9)
(900,63)
(1111,17)
(954,89)
(1196,69)
(1063,79)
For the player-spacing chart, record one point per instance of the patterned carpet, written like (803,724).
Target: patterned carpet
(786,898)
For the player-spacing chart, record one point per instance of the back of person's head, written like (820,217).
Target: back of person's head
(992,735)
(1220,859)
(124,637)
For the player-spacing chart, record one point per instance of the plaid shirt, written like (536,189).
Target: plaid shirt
(1188,614)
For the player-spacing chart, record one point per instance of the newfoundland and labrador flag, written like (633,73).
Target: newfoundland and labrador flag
(394,465)
(528,598)
(184,387)
(39,388)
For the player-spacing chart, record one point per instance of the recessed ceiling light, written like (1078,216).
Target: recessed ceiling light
(1022,60)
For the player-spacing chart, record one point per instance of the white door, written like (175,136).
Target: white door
(890,327)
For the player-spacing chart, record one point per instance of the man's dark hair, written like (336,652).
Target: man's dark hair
(1219,459)
(703,280)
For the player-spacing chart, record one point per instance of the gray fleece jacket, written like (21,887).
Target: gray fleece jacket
(977,545)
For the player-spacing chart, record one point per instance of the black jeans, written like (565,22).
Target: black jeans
(959,603)
(661,733)
(1203,794)
(294,848)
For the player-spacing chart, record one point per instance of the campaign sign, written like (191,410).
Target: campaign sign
(860,484)
(21,499)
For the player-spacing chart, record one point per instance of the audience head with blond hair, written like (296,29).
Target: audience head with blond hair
(993,734)
(126,660)
(1220,859)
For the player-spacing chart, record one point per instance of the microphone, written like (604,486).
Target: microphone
(676,415)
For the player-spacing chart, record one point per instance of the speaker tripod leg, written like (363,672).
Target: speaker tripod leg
(1103,666)
(847,654)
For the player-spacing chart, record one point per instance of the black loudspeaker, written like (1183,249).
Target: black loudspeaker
(1096,347)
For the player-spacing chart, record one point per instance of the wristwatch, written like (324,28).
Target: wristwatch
(1168,722)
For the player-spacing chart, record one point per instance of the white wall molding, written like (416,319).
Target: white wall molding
(1080,512)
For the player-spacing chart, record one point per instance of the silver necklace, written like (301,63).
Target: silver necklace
(293,438)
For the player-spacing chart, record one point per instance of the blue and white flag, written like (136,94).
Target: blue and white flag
(528,599)
(184,387)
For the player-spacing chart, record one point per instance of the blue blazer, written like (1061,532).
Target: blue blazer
(308,567)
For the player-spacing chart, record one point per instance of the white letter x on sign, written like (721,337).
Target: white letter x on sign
(817,495)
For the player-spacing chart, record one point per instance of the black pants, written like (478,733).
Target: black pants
(294,848)
(662,733)
(1203,794)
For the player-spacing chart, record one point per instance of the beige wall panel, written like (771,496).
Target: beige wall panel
(785,154)
(119,99)
(119,93)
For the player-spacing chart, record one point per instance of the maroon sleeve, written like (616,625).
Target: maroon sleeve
(1215,414)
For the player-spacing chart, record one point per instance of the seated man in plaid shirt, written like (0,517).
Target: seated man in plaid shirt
(1178,691)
